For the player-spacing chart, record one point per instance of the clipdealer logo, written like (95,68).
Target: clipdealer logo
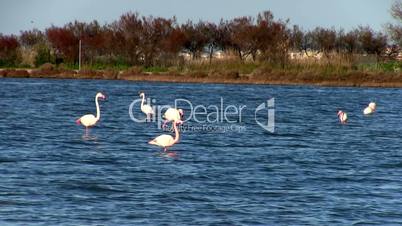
(211,118)
(269,106)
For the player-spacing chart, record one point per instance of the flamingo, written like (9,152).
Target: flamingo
(165,140)
(146,108)
(343,117)
(90,119)
(370,109)
(172,114)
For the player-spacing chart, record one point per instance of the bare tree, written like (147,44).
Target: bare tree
(395,30)
(242,36)
(348,42)
(372,42)
(31,38)
(195,38)
(92,37)
(296,38)
(212,37)
(273,38)
(324,39)
(127,35)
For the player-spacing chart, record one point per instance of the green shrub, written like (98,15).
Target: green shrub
(43,55)
(47,66)
(156,69)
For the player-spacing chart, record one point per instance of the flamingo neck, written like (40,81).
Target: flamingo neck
(143,100)
(97,109)
(176,132)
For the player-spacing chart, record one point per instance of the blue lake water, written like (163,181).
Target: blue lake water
(311,171)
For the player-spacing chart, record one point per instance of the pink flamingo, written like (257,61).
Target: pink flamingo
(90,119)
(172,114)
(146,108)
(343,117)
(165,140)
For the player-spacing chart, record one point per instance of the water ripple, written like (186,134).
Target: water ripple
(311,171)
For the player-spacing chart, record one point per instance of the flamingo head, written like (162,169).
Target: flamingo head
(142,94)
(340,112)
(100,96)
(181,112)
(372,105)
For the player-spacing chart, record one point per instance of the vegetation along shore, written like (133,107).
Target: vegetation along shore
(255,50)
(260,75)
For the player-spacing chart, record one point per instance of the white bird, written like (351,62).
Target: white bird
(90,119)
(146,108)
(370,109)
(343,117)
(172,114)
(165,140)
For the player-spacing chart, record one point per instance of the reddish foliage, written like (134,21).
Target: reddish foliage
(242,36)
(175,41)
(8,44)
(148,41)
(64,42)
(8,50)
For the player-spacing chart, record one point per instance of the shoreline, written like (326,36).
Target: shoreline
(358,79)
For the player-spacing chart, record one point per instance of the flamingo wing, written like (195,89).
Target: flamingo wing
(88,120)
(345,117)
(163,140)
(147,109)
(172,114)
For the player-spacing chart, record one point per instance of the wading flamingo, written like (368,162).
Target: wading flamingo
(90,119)
(165,140)
(370,109)
(146,108)
(343,117)
(172,114)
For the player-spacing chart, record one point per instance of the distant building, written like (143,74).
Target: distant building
(218,54)
(394,52)
(302,55)
(186,55)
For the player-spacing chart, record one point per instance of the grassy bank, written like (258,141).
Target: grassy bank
(371,75)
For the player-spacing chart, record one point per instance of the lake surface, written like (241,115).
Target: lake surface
(311,171)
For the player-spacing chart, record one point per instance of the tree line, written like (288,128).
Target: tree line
(156,41)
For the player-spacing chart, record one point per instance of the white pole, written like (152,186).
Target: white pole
(79,57)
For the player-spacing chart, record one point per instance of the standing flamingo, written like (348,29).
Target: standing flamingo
(90,119)
(343,117)
(165,140)
(146,108)
(172,114)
